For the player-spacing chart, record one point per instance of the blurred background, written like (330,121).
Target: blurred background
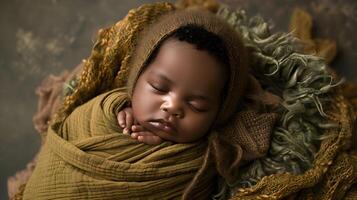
(42,37)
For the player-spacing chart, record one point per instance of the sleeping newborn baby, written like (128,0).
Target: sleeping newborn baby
(178,94)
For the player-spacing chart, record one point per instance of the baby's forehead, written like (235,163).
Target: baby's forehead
(181,65)
(205,64)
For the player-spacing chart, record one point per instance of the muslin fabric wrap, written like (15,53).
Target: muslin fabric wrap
(89,158)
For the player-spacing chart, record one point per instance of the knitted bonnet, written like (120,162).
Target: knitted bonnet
(152,37)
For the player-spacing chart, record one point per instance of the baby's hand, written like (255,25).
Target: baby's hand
(126,122)
(126,119)
(142,135)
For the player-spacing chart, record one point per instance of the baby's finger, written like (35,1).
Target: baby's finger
(137,128)
(150,139)
(121,119)
(135,135)
(129,119)
(147,137)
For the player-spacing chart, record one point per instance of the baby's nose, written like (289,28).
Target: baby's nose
(173,107)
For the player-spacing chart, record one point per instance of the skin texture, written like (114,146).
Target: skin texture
(177,96)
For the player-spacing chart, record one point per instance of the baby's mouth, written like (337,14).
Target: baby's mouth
(162,125)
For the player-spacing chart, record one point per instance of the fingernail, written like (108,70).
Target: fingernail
(125,131)
(140,138)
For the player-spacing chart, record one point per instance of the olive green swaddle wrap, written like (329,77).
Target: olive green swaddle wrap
(90,158)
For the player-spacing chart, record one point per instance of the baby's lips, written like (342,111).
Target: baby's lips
(163,127)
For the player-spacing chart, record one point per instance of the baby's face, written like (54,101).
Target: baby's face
(178,95)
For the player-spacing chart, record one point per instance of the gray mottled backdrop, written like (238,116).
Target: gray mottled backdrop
(41,37)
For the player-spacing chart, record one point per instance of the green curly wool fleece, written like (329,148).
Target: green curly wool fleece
(303,83)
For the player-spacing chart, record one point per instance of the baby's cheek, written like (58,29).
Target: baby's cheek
(142,113)
(136,113)
(197,128)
